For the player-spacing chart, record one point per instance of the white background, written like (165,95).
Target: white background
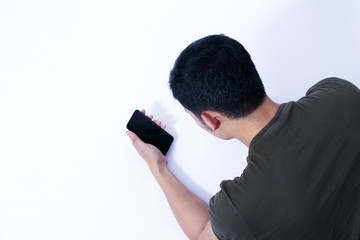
(72,73)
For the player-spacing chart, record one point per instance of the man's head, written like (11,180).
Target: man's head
(217,74)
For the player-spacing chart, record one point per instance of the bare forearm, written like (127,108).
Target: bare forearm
(189,210)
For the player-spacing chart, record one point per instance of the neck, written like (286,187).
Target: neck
(247,128)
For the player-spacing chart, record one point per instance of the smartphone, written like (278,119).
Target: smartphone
(149,132)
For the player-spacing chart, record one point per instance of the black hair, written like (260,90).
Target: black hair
(216,73)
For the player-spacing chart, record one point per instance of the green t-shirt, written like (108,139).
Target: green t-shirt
(302,180)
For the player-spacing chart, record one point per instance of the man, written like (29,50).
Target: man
(302,180)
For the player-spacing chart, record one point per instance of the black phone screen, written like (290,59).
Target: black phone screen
(149,132)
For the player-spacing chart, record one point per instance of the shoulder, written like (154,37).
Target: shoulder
(332,93)
(333,84)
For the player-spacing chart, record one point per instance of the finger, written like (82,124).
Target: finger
(144,112)
(157,122)
(132,135)
(135,139)
(163,127)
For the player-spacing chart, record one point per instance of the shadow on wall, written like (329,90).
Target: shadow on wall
(167,119)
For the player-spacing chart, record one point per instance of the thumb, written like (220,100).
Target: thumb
(134,138)
(132,135)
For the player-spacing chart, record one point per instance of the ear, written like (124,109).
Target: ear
(211,120)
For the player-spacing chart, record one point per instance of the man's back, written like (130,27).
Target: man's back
(303,175)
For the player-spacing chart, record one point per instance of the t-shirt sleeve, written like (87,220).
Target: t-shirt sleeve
(226,221)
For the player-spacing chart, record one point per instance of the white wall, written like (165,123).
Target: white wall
(72,72)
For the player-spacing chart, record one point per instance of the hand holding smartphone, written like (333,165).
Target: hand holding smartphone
(150,132)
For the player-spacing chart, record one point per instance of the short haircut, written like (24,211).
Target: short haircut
(216,73)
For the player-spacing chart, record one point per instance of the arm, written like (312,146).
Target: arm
(189,210)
